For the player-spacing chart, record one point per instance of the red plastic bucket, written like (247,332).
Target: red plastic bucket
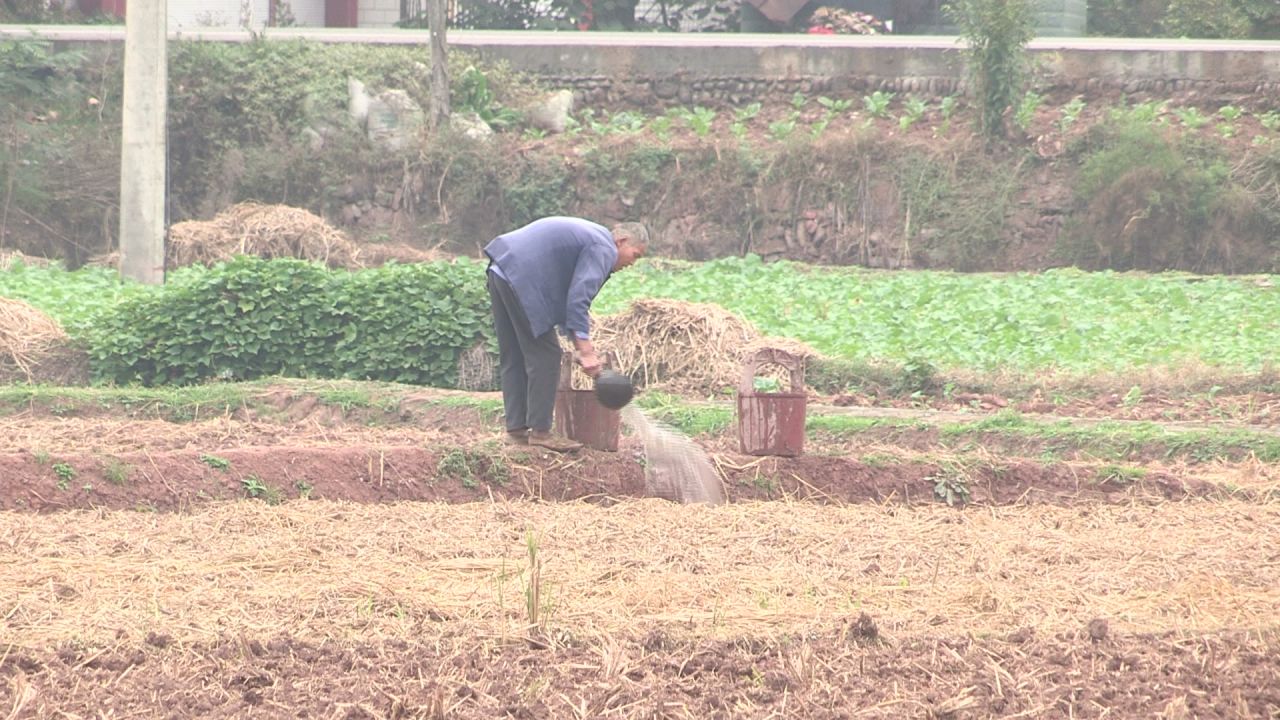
(772,423)
(579,416)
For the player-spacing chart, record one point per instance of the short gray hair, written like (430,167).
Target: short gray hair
(636,232)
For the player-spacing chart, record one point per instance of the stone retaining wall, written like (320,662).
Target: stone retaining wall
(646,69)
(640,92)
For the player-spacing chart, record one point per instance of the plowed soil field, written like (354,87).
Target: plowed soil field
(297,555)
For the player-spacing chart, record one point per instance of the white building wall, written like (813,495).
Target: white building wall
(379,13)
(193,14)
(308,13)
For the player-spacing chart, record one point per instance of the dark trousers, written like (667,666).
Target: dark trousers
(530,365)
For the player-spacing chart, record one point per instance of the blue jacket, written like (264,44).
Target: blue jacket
(556,266)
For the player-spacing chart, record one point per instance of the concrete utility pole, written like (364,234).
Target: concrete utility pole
(143,171)
(438,22)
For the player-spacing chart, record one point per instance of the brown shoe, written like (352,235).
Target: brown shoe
(553,442)
(517,437)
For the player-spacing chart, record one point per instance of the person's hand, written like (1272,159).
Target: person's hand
(587,358)
(590,363)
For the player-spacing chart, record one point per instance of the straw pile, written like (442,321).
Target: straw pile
(9,258)
(684,346)
(32,344)
(269,231)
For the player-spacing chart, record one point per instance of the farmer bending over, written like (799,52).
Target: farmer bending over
(542,275)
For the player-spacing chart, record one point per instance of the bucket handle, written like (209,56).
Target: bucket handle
(566,366)
(772,356)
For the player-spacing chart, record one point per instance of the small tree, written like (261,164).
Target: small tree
(997,32)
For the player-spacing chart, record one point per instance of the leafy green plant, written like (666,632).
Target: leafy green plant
(913,109)
(951,484)
(304,489)
(1231,114)
(587,118)
(1026,111)
(782,129)
(1133,397)
(947,108)
(1270,120)
(661,127)
(996,33)
(819,127)
(799,100)
(75,298)
(741,117)
(433,310)
(877,103)
(250,318)
(626,121)
(702,120)
(255,488)
(1080,321)
(747,113)
(243,319)
(1191,117)
(456,464)
(65,474)
(834,107)
(472,93)
(766,385)
(1144,113)
(1071,113)
(215,462)
(470,465)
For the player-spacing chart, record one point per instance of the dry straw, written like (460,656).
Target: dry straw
(26,337)
(269,231)
(9,258)
(425,570)
(683,346)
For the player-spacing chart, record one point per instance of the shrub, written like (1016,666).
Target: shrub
(541,187)
(996,32)
(236,107)
(243,319)
(408,323)
(251,318)
(1155,201)
(1207,19)
(1192,18)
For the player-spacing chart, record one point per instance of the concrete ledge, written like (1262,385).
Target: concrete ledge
(630,56)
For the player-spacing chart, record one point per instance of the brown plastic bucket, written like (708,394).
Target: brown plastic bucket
(579,416)
(772,423)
